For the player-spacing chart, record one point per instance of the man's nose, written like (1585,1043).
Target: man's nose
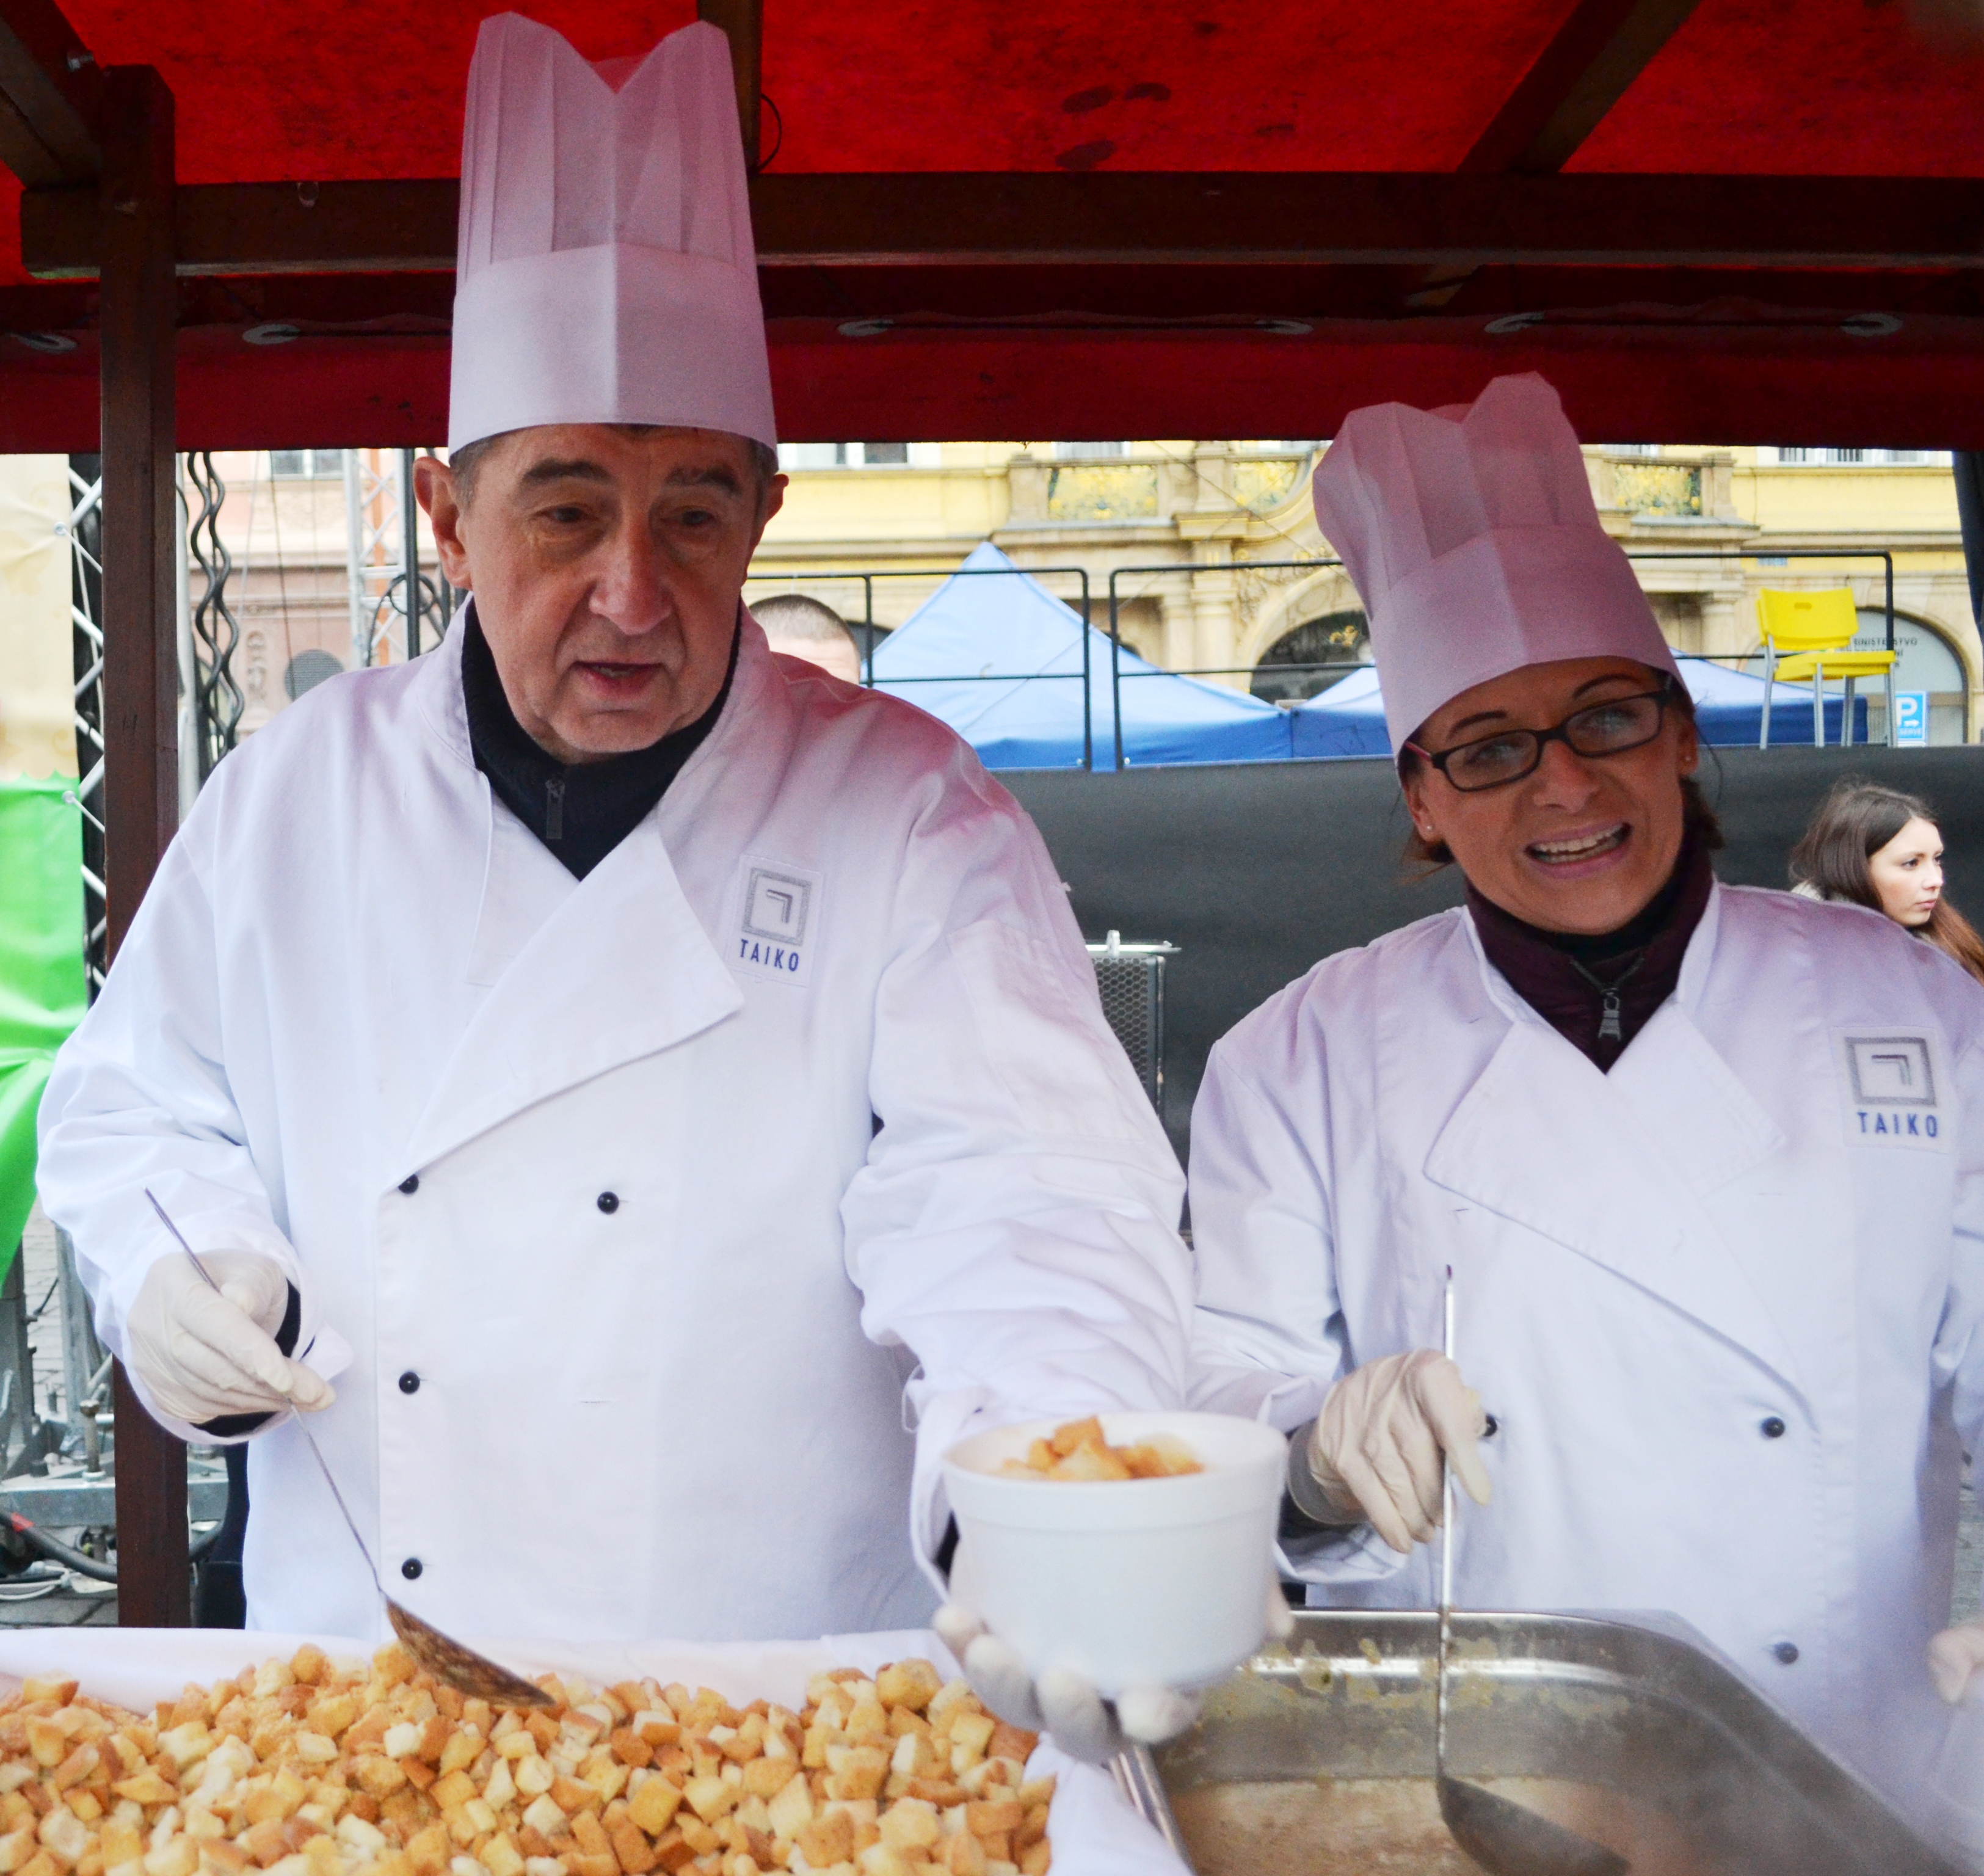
(632,589)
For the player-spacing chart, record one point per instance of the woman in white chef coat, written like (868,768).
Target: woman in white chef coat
(1706,1163)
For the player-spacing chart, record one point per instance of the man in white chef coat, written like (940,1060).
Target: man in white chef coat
(644,1056)
(1706,1163)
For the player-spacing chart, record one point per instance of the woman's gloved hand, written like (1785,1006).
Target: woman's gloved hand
(1374,1450)
(203,1355)
(1954,1657)
(1083,1724)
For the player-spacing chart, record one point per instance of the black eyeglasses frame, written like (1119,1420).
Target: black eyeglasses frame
(1558,733)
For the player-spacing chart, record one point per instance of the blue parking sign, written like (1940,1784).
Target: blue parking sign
(1912,719)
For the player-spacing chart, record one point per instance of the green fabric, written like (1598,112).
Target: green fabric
(42,989)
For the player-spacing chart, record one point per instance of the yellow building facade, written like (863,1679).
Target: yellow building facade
(1198,535)
(1218,565)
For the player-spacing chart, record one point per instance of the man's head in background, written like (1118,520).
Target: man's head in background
(798,627)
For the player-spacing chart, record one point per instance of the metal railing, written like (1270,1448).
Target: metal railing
(1764,556)
(869,630)
(1777,556)
(1321,564)
(85,539)
(870,633)
(215,634)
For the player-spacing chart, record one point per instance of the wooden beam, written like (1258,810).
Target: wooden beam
(1600,48)
(1367,220)
(140,696)
(743,24)
(50,96)
(258,228)
(1105,220)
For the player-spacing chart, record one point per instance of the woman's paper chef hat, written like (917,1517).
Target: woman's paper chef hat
(1471,534)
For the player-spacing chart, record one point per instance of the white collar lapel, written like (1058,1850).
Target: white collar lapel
(582,976)
(1615,1166)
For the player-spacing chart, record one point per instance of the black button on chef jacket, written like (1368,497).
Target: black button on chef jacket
(582,812)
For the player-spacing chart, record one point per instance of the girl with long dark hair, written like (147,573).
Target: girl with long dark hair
(1877,847)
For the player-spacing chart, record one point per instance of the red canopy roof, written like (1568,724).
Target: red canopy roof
(325,93)
(267,90)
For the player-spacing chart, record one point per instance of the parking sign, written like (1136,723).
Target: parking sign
(1912,719)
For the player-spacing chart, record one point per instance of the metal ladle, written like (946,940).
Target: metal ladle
(448,1660)
(1504,1839)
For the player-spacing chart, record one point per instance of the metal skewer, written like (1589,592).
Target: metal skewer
(1446,1554)
(1504,1839)
(442,1656)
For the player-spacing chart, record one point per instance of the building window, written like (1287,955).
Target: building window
(1632,449)
(845,455)
(1077,451)
(1926,661)
(307,464)
(1307,660)
(1789,452)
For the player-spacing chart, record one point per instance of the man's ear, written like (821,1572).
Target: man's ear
(437,491)
(772,500)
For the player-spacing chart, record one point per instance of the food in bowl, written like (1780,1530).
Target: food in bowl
(1080,1450)
(313,1768)
(1163,1587)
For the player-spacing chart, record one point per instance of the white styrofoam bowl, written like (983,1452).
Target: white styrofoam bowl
(1132,1582)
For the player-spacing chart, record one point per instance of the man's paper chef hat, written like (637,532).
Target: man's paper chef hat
(605,272)
(1471,533)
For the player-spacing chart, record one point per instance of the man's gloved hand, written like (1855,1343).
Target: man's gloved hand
(1084,1725)
(1954,1657)
(1375,1450)
(203,1355)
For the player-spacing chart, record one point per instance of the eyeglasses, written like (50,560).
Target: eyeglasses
(1607,728)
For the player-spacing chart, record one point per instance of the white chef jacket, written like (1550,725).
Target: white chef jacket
(1723,1302)
(640,1196)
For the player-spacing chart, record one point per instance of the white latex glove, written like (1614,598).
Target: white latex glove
(1954,1656)
(1375,1451)
(1084,1725)
(201,1354)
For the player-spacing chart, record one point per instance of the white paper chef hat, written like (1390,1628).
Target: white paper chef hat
(1471,533)
(605,272)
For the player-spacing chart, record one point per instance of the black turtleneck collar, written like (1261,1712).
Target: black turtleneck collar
(1569,980)
(583,811)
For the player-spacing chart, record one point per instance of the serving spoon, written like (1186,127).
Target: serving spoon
(1504,1839)
(449,1661)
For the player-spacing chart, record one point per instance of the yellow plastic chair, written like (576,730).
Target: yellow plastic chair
(1807,635)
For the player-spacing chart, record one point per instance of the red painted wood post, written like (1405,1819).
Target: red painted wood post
(140,696)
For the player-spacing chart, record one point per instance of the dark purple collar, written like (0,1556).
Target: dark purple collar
(1575,984)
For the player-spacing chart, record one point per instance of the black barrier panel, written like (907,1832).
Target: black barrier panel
(1258,869)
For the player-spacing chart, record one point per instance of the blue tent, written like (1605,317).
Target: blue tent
(1348,719)
(999,659)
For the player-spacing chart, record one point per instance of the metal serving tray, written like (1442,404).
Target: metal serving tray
(1554,1696)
